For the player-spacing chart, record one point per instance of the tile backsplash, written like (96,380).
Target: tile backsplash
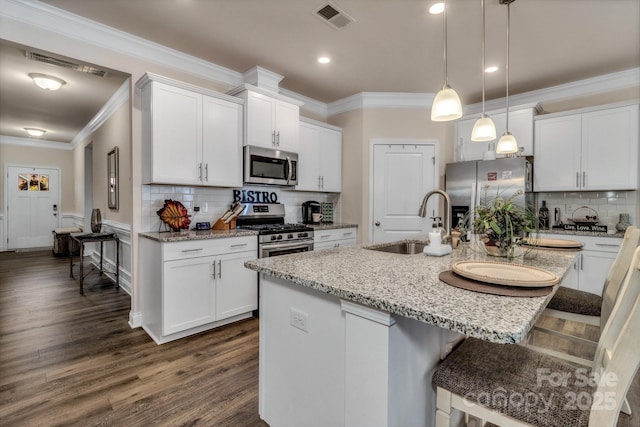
(213,202)
(608,204)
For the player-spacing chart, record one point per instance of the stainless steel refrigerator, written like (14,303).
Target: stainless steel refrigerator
(472,183)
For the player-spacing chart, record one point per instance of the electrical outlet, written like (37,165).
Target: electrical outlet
(299,319)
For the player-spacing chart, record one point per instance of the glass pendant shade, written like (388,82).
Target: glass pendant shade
(446,105)
(507,144)
(484,129)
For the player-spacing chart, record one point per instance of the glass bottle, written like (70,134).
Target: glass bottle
(543,215)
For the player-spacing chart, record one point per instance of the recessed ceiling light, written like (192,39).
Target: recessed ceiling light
(324,60)
(491,69)
(436,8)
(35,132)
(47,82)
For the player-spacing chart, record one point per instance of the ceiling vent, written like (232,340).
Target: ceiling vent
(87,69)
(334,16)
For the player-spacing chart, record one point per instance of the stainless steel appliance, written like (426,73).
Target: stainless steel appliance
(269,166)
(309,208)
(274,236)
(475,182)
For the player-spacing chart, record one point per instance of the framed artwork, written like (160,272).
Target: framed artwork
(112,178)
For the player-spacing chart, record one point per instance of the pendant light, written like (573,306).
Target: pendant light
(484,129)
(446,105)
(507,144)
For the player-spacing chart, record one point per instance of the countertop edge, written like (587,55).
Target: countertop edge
(190,235)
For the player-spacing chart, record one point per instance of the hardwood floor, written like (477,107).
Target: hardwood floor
(68,360)
(72,360)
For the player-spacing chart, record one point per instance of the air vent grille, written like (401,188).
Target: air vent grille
(334,16)
(87,69)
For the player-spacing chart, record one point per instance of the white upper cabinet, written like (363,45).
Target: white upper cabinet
(190,136)
(520,125)
(319,158)
(270,122)
(594,150)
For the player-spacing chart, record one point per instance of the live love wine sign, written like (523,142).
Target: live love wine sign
(250,196)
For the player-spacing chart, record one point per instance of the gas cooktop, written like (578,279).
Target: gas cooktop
(264,229)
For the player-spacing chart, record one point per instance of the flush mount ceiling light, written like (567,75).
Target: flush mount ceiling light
(484,129)
(507,144)
(324,59)
(47,82)
(446,105)
(491,69)
(35,132)
(436,8)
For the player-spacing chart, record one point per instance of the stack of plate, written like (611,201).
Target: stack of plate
(544,243)
(500,278)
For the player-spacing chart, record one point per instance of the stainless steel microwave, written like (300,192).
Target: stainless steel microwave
(270,166)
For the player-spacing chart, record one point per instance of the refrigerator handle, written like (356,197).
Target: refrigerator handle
(528,184)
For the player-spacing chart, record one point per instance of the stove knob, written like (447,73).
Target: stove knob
(303,234)
(290,236)
(273,237)
(279,237)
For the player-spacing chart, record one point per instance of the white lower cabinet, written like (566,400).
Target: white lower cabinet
(201,284)
(592,264)
(334,238)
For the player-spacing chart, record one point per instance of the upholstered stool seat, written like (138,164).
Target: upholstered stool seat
(517,382)
(575,301)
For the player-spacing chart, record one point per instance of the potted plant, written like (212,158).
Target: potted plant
(501,224)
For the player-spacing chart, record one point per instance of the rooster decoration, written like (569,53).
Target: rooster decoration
(175,215)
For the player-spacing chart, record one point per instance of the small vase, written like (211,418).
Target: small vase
(96,221)
(495,250)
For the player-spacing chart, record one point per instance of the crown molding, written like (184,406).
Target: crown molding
(75,27)
(365,100)
(310,105)
(591,86)
(116,101)
(34,143)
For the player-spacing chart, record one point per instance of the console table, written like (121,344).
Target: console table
(81,239)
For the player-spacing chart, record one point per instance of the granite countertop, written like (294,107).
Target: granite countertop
(325,226)
(181,236)
(408,285)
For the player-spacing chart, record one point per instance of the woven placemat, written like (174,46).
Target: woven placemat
(451,278)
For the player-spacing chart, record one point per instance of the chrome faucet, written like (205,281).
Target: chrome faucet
(447,207)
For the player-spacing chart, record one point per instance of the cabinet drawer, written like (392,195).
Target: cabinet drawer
(208,247)
(334,234)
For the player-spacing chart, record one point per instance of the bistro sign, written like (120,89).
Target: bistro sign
(250,196)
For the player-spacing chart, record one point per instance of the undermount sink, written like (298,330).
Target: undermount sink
(402,248)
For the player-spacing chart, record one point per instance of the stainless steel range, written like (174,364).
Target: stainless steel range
(274,236)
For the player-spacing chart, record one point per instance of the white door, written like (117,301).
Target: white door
(33,206)
(402,175)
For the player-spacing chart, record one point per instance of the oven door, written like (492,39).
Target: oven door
(268,166)
(275,249)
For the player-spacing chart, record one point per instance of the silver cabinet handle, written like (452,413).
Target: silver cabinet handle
(278,139)
(324,236)
(273,138)
(584,179)
(219,269)
(319,185)
(200,167)
(206,171)
(347,234)
(613,245)
(581,261)
(214,268)
(239,245)
(191,250)
(578,179)
(322,181)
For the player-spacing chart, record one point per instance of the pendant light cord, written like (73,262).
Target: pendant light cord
(508,27)
(446,78)
(483,51)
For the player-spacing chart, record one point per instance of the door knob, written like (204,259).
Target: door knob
(377,223)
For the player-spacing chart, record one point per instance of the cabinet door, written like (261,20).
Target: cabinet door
(557,154)
(287,117)
(236,286)
(308,158)
(594,269)
(331,160)
(610,149)
(222,142)
(176,147)
(187,294)
(521,126)
(259,120)
(465,148)
(572,277)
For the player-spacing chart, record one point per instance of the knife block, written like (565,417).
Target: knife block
(220,225)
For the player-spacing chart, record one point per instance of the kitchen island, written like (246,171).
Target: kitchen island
(350,336)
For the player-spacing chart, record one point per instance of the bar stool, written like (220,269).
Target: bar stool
(516,386)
